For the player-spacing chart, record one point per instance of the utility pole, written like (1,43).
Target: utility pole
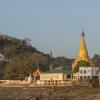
(51,63)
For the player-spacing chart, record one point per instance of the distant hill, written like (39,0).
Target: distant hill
(19,58)
(62,61)
(96,60)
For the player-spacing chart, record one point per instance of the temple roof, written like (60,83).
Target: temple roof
(83,52)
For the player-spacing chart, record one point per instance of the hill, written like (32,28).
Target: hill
(18,58)
(96,60)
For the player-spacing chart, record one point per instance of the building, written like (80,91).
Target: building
(53,78)
(89,73)
(47,79)
(86,73)
(58,76)
(82,54)
(89,76)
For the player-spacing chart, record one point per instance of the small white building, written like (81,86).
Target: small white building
(89,72)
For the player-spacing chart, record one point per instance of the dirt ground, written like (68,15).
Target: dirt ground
(49,93)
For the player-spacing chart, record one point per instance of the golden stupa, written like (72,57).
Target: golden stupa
(83,52)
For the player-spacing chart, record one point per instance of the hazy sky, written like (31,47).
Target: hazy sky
(55,24)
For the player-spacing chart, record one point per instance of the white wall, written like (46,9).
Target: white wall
(89,71)
(53,76)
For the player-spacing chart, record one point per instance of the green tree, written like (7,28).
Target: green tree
(81,64)
(25,63)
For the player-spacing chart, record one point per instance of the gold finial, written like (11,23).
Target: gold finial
(83,34)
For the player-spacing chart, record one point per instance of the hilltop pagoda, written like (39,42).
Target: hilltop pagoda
(82,54)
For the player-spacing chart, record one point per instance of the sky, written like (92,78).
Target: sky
(55,24)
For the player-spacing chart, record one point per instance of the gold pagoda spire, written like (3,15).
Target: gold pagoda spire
(83,52)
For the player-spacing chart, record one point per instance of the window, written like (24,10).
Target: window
(84,71)
(81,71)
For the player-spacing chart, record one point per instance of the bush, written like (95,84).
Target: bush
(81,64)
